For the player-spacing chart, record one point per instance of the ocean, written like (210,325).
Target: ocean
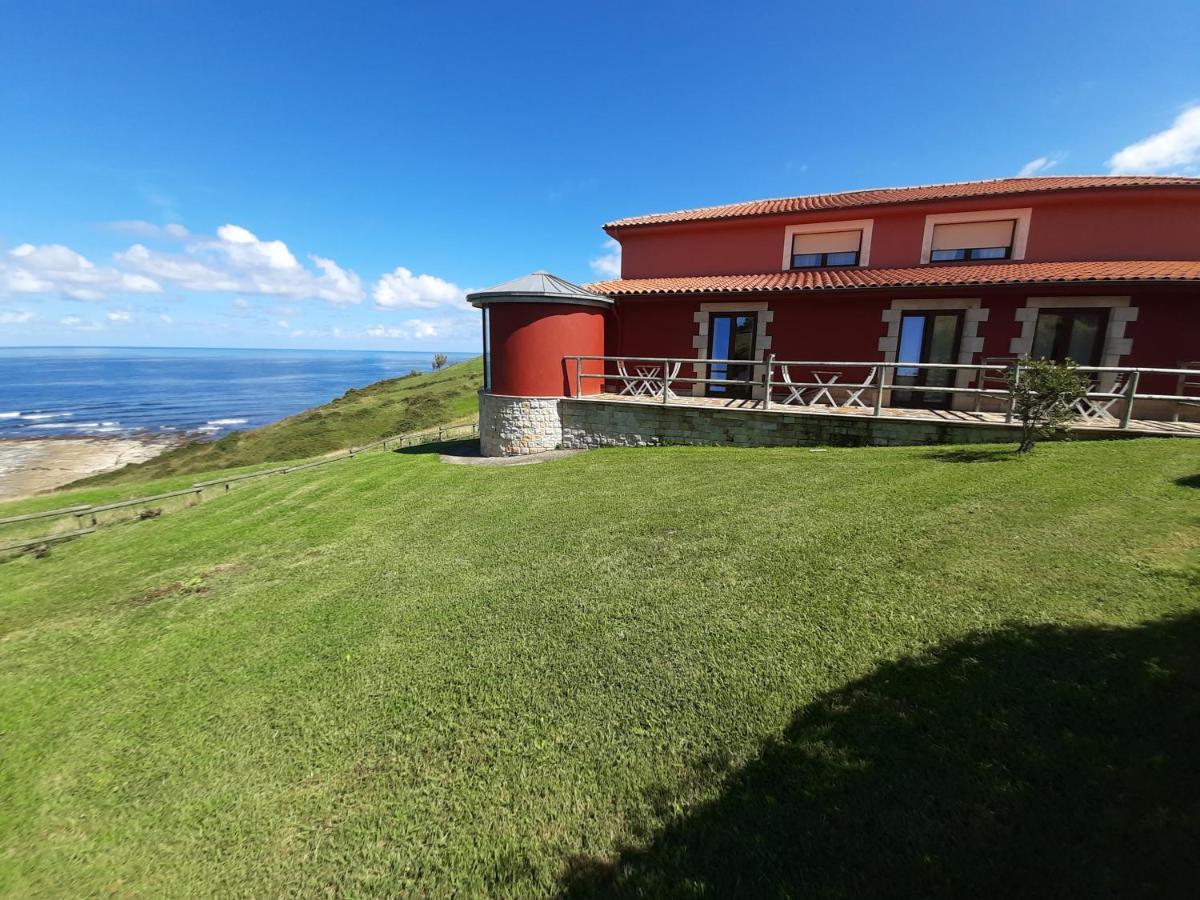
(49,391)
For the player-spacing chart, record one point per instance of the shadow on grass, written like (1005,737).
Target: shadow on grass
(1038,761)
(468,447)
(974,456)
(1192,481)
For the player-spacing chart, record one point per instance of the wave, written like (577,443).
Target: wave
(38,416)
(227,421)
(68,425)
(10,415)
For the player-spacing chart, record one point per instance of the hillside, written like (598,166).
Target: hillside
(359,416)
(679,671)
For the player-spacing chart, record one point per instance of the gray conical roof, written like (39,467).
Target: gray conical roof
(537,287)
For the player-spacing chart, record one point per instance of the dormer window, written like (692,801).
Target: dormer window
(832,248)
(827,244)
(985,234)
(953,242)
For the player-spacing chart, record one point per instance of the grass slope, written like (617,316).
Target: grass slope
(357,417)
(683,671)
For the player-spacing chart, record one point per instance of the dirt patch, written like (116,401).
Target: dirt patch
(221,568)
(188,588)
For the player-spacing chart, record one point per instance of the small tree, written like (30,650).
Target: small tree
(1044,395)
(439,361)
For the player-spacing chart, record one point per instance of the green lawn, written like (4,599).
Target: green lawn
(683,671)
(360,416)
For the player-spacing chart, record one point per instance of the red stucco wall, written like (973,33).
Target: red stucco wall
(529,341)
(848,326)
(1154,224)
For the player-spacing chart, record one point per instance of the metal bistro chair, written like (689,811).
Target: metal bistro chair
(855,391)
(1189,385)
(795,392)
(1098,410)
(988,377)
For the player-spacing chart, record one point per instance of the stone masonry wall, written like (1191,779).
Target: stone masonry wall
(513,426)
(591,423)
(516,426)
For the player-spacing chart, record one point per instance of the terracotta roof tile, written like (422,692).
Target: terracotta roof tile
(882,196)
(939,275)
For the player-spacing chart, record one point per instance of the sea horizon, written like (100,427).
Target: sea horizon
(465,354)
(163,392)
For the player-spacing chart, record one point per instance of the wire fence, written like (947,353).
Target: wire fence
(84,519)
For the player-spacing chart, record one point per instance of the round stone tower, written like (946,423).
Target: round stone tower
(532,327)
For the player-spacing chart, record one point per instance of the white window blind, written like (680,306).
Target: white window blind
(968,235)
(827,242)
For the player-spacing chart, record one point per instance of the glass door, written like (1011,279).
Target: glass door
(926,337)
(731,336)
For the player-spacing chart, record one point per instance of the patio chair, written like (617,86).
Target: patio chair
(795,392)
(1097,410)
(855,391)
(1189,385)
(990,378)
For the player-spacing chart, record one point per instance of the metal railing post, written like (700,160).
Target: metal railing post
(1012,396)
(883,371)
(666,381)
(1130,393)
(579,378)
(767,380)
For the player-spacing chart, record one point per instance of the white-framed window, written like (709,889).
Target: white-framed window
(1063,326)
(993,234)
(827,244)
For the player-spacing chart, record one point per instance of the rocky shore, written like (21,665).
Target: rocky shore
(32,466)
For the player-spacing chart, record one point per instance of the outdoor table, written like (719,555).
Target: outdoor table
(824,379)
(652,380)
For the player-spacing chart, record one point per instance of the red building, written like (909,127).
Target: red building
(1103,270)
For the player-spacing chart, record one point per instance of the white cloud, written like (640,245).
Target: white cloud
(412,330)
(119,315)
(242,303)
(79,324)
(1177,149)
(401,289)
(608,264)
(1040,166)
(237,260)
(141,228)
(166,320)
(56,269)
(16,318)
(283,323)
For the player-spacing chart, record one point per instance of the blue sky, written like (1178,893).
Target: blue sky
(337,174)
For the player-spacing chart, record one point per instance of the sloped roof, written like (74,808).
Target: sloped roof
(928,192)
(941,275)
(537,287)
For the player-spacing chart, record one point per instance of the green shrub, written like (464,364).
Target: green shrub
(1044,395)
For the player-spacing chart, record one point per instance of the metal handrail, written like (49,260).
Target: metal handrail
(663,381)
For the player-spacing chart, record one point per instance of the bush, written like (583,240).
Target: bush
(439,361)
(1044,395)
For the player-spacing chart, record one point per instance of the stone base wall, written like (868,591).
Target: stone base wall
(516,426)
(591,423)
